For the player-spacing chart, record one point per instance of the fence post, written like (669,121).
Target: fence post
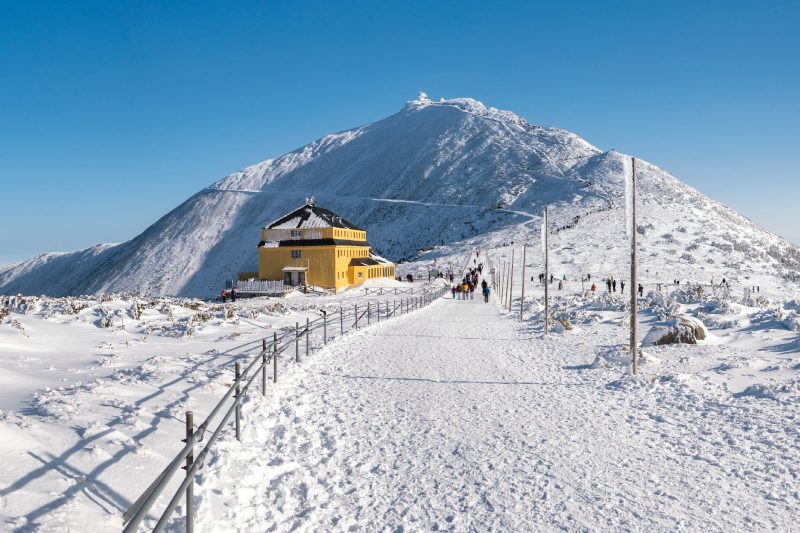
(296,342)
(355,312)
(341,321)
(263,367)
(308,334)
(275,357)
(324,327)
(368,313)
(238,403)
(190,487)
(378,303)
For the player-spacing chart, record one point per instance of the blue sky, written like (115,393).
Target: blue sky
(112,113)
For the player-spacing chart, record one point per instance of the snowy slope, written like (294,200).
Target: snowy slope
(432,174)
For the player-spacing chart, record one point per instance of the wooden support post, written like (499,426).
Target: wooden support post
(634,281)
(274,357)
(296,342)
(546,274)
(511,282)
(238,369)
(190,486)
(263,367)
(522,295)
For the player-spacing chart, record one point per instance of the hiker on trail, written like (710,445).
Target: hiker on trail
(485,292)
(452,277)
(471,291)
(233,295)
(588,277)
(453,291)
(224,295)
(594,287)
(622,287)
(641,290)
(560,285)
(464,290)
(608,284)
(614,284)
(551,278)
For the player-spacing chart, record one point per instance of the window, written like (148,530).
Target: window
(360,275)
(295,233)
(295,254)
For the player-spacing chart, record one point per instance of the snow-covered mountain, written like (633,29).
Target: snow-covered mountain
(432,174)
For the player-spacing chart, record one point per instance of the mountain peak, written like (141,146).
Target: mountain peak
(471,106)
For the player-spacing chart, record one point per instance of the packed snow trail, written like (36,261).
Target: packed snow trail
(457,417)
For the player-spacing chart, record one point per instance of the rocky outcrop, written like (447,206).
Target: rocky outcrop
(678,330)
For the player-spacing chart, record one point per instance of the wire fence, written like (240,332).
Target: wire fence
(339,321)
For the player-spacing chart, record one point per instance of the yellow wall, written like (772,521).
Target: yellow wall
(328,266)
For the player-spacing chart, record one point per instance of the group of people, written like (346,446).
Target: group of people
(611,285)
(228,294)
(465,290)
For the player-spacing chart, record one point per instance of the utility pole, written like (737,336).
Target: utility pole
(546,275)
(634,282)
(511,281)
(522,296)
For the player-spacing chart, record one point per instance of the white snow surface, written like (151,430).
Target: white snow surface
(435,173)
(455,417)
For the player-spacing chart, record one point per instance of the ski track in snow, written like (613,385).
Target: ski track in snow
(458,418)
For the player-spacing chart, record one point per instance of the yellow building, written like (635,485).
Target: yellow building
(314,246)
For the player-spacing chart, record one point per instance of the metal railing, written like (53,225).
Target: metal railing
(380,291)
(230,404)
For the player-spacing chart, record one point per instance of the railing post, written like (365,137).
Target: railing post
(308,334)
(355,312)
(368,313)
(324,327)
(296,342)
(238,403)
(378,303)
(190,487)
(341,321)
(275,357)
(263,367)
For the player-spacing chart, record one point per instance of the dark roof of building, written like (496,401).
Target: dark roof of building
(312,216)
(296,243)
(364,261)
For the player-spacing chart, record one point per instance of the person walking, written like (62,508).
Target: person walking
(223,295)
(641,290)
(622,287)
(485,293)
(453,291)
(594,287)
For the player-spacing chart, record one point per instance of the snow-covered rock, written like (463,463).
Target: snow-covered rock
(678,330)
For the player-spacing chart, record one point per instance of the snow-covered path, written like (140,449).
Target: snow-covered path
(457,417)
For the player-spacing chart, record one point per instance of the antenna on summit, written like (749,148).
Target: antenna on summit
(310,200)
